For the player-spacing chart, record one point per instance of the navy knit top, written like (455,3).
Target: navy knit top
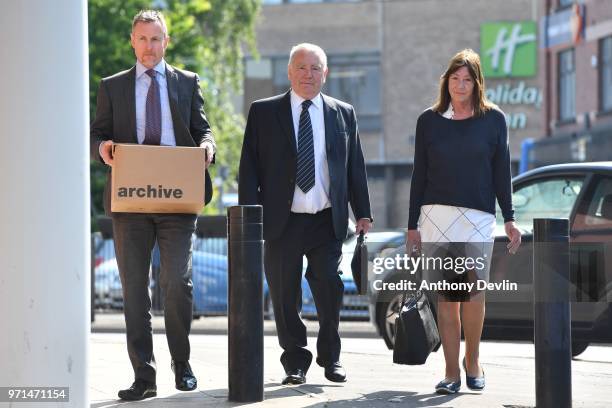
(463,163)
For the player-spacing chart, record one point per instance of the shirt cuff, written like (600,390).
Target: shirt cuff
(100,149)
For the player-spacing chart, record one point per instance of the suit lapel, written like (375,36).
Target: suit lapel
(130,101)
(330,116)
(285,118)
(173,98)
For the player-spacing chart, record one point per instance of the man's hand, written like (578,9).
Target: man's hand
(106,152)
(413,241)
(210,152)
(364,224)
(514,235)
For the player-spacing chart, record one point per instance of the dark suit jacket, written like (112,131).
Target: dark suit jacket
(269,160)
(116,115)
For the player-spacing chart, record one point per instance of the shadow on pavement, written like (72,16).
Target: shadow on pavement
(391,399)
(274,391)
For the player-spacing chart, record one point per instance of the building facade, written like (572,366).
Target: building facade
(386,58)
(576,47)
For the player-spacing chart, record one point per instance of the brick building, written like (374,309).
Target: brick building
(386,57)
(576,47)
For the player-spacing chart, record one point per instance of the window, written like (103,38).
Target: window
(550,198)
(592,242)
(605,78)
(595,213)
(567,85)
(354,79)
(305,1)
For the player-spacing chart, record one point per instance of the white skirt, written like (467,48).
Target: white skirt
(444,226)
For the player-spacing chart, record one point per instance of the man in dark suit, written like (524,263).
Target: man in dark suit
(302,160)
(153,103)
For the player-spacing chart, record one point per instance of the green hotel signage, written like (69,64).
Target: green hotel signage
(508,49)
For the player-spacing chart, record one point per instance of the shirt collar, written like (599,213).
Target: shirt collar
(160,68)
(449,112)
(296,101)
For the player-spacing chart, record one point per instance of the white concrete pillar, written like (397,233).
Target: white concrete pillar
(44,202)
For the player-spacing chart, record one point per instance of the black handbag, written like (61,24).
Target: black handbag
(359,265)
(416,331)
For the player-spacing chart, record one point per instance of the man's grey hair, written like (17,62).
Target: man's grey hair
(311,48)
(150,16)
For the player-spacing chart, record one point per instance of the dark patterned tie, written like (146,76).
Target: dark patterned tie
(153,109)
(305,178)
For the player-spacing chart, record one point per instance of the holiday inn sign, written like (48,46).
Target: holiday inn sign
(508,49)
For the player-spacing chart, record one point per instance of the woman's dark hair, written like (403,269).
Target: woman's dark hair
(470,59)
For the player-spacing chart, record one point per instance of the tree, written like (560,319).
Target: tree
(206,36)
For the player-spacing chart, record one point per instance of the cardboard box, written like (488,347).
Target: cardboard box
(157,179)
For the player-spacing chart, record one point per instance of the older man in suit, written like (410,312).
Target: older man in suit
(157,104)
(302,160)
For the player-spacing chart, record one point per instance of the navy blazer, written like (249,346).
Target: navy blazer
(269,161)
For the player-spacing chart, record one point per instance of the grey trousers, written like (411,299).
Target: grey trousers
(135,236)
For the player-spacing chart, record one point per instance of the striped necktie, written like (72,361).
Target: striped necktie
(153,112)
(305,178)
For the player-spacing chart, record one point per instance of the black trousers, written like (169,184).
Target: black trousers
(135,236)
(312,236)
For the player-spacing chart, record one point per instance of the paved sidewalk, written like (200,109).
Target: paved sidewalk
(114,323)
(373,381)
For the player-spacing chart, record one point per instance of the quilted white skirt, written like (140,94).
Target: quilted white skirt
(459,232)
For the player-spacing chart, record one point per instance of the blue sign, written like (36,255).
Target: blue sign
(563,27)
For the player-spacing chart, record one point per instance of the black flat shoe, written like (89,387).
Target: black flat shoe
(184,379)
(295,377)
(139,390)
(335,373)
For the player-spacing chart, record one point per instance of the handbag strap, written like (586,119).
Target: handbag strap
(417,293)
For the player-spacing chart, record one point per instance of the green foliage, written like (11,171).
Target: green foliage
(207,37)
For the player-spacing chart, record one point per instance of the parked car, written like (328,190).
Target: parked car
(354,306)
(108,285)
(583,194)
(210,278)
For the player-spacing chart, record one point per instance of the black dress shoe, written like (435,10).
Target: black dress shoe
(139,390)
(184,379)
(335,372)
(296,377)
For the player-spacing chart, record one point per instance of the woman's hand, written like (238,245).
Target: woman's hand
(413,241)
(514,235)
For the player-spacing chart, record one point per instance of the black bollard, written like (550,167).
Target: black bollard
(245,303)
(552,321)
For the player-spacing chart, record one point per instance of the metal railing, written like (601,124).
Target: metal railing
(209,275)
(209,263)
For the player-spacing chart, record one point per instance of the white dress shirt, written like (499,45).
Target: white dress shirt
(317,198)
(449,112)
(142,88)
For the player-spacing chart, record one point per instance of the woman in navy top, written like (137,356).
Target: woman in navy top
(461,165)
